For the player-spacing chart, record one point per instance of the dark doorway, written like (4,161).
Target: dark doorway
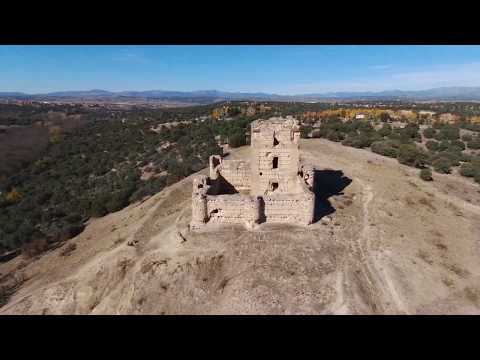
(275,141)
(275,163)
(327,183)
(274,186)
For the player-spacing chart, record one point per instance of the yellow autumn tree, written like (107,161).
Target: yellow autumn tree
(475,119)
(13,196)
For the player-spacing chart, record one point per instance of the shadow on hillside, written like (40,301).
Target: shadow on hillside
(327,183)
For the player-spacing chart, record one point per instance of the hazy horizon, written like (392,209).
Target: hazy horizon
(233,91)
(281,70)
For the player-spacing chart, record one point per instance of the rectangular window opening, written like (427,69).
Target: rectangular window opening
(275,163)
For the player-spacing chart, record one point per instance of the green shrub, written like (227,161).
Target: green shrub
(98,209)
(385,148)
(466,157)
(448,133)
(304,131)
(432,145)
(458,144)
(411,155)
(334,135)
(362,140)
(443,145)
(117,202)
(477,178)
(469,170)
(385,130)
(237,140)
(474,144)
(429,133)
(73,218)
(426,174)
(442,165)
(452,157)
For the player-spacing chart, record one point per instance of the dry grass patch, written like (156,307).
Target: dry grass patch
(472,295)
(455,209)
(448,282)
(424,256)
(409,201)
(428,203)
(436,233)
(411,183)
(457,270)
(441,246)
(68,249)
(9,284)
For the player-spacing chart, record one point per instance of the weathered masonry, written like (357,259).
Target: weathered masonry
(273,186)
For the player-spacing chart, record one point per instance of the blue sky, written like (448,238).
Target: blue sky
(273,69)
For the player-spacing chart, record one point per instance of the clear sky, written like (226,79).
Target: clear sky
(273,69)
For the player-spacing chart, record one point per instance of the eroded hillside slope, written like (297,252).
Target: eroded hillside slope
(386,242)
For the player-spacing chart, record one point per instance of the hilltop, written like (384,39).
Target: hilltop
(387,243)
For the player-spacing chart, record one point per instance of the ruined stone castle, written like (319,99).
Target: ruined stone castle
(273,186)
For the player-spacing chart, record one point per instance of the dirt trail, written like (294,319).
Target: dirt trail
(391,244)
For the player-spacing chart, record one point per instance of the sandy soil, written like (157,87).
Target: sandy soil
(386,242)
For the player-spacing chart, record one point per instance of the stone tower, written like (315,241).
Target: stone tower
(275,156)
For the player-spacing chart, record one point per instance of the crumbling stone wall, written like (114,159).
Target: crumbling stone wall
(235,208)
(275,186)
(234,172)
(289,208)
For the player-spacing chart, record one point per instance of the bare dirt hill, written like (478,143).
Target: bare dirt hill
(385,243)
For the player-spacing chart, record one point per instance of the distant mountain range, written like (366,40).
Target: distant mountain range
(206,96)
